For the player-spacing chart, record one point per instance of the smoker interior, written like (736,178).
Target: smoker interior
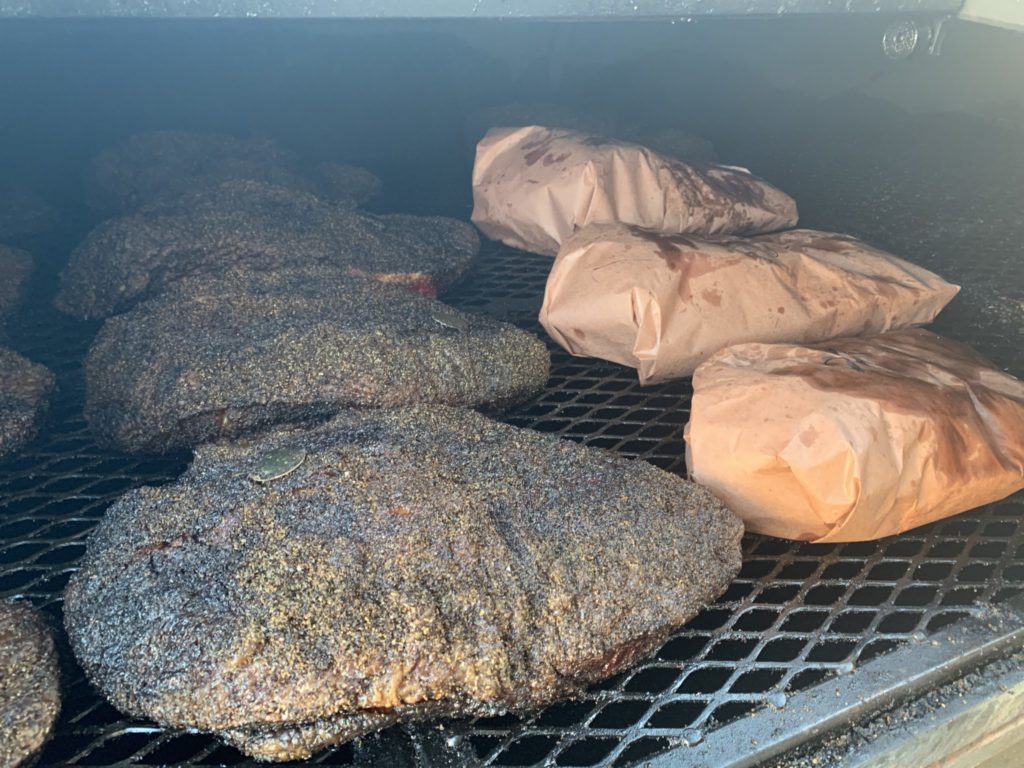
(920,157)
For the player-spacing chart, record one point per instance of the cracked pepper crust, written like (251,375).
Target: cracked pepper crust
(29,683)
(421,561)
(126,260)
(227,356)
(15,269)
(157,166)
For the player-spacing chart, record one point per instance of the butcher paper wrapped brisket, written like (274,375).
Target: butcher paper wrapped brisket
(855,439)
(533,187)
(665,303)
(29,684)
(25,389)
(128,259)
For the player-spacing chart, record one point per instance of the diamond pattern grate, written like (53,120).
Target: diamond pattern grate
(798,613)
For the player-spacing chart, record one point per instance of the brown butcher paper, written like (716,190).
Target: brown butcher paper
(533,187)
(663,304)
(854,439)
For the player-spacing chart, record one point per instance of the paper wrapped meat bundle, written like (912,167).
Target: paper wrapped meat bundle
(228,355)
(855,439)
(664,304)
(533,187)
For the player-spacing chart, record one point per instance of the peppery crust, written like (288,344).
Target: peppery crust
(420,562)
(228,355)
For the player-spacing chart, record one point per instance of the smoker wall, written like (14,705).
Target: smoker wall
(397,96)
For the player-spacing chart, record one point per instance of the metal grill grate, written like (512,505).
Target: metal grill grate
(797,614)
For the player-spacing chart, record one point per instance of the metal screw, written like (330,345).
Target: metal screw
(901,39)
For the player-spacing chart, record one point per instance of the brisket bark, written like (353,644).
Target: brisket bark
(421,562)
